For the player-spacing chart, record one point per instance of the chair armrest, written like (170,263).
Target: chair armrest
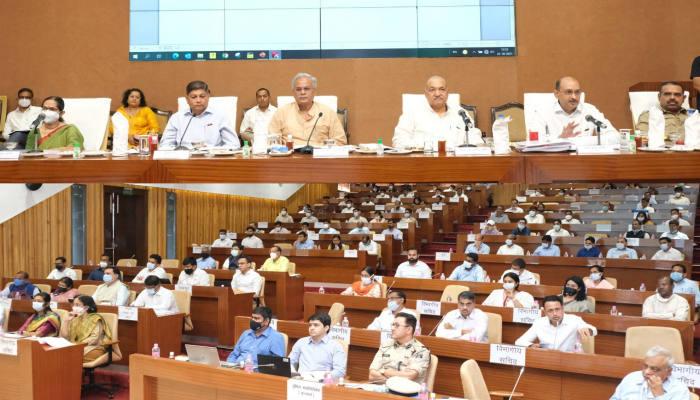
(504,394)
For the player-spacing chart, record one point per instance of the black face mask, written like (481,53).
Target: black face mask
(204,256)
(60,267)
(255,325)
(189,271)
(570,291)
(61,289)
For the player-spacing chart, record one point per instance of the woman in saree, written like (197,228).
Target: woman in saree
(44,322)
(54,133)
(85,325)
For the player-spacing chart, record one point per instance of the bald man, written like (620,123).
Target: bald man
(566,117)
(435,120)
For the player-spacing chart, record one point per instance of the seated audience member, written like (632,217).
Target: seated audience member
(84,325)
(654,380)
(318,351)
(349,208)
(514,208)
(366,286)
(258,117)
(276,262)
(574,296)
(547,248)
(97,273)
(328,230)
(245,279)
(637,231)
(231,262)
(557,230)
(519,267)
(337,244)
(303,242)
(305,116)
(408,217)
(570,219)
(279,229)
(469,270)
(413,267)
(305,228)
(206,261)
(499,216)
(53,133)
(395,303)
(65,292)
(677,216)
(368,245)
(510,248)
(667,252)
(223,240)
(260,339)
(665,304)
(392,231)
(490,228)
(596,279)
(250,241)
(360,229)
(368,202)
(61,270)
(43,322)
(142,120)
(20,288)
(510,295)
(306,208)
(112,292)
(309,217)
(478,247)
(19,121)
(679,198)
(466,322)
(621,250)
(589,248)
(556,330)
(521,228)
(645,206)
(156,297)
(681,284)
(533,217)
(284,217)
(606,208)
(418,127)
(674,232)
(397,208)
(403,355)
(643,218)
(378,217)
(671,97)
(191,275)
(152,268)
(199,123)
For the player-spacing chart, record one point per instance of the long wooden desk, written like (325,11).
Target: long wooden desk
(361,311)
(515,167)
(39,372)
(550,375)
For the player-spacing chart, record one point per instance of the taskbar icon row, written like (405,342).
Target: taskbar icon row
(205,55)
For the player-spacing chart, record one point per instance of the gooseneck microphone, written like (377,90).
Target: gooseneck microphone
(309,149)
(467,125)
(179,144)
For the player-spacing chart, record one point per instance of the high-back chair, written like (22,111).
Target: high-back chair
(516,127)
(474,386)
(495,328)
(451,292)
(87,290)
(430,374)
(639,339)
(336,313)
(182,299)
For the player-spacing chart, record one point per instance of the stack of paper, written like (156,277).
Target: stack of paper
(550,147)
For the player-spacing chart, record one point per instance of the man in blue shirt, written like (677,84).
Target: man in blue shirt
(318,352)
(589,248)
(478,247)
(303,242)
(547,249)
(621,250)
(521,229)
(683,285)
(206,261)
(259,339)
(469,270)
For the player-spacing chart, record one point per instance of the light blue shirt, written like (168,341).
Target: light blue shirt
(616,253)
(307,245)
(326,355)
(396,233)
(331,231)
(206,263)
(484,249)
(551,251)
(359,231)
(463,273)
(269,343)
(634,386)
(688,286)
(210,127)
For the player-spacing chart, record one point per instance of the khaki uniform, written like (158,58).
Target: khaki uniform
(413,355)
(674,122)
(289,120)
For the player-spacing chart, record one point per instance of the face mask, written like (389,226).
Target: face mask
(412,260)
(61,289)
(222,236)
(508,286)
(189,271)
(678,195)
(59,267)
(509,242)
(357,214)
(521,226)
(150,266)
(532,213)
(151,291)
(469,188)
(308,214)
(676,276)
(366,281)
(107,278)
(640,219)
(234,253)
(37,306)
(255,325)
(51,116)
(274,255)
(595,276)
(407,215)
(392,305)
(24,103)
(675,216)
(557,228)
(620,246)
(18,282)
(664,246)
(546,245)
(605,209)
(570,291)
(569,217)
(103,264)
(468,265)
(78,310)
(283,213)
(587,246)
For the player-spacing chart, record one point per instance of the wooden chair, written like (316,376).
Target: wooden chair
(516,127)
(292,268)
(261,293)
(132,296)
(183,299)
(591,303)
(162,116)
(471,110)
(212,279)
(495,328)
(43,287)
(451,292)
(127,262)
(639,339)
(284,246)
(285,337)
(474,386)
(78,274)
(6,318)
(87,290)
(384,289)
(588,344)
(430,374)
(336,313)
(170,263)
(169,277)
(537,277)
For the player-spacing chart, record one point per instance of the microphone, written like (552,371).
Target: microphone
(179,145)
(32,127)
(309,149)
(522,369)
(438,324)
(467,125)
(597,123)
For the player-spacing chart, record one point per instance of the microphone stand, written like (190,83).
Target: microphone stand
(466,132)
(310,149)
(597,129)
(179,145)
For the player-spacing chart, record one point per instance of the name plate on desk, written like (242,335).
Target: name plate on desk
(313,236)
(350,254)
(6,303)
(593,191)
(332,152)
(340,333)
(262,225)
(53,305)
(688,374)
(471,237)
(318,225)
(402,225)
(526,315)
(437,207)
(633,242)
(472,151)
(602,149)
(521,199)
(128,313)
(454,199)
(442,256)
(8,346)
(232,235)
(508,355)
(378,237)
(425,307)
(304,390)
(171,154)
(603,227)
(379,207)
(423,215)
(196,249)
(10,155)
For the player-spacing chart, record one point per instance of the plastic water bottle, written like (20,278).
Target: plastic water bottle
(328,379)
(172,355)
(321,290)
(642,287)
(155,351)
(380,147)
(578,347)
(632,144)
(246,149)
(442,276)
(248,365)
(613,310)
(76,151)
(423,394)
(345,323)
(428,145)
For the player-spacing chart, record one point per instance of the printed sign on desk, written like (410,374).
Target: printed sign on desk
(262,225)
(8,346)
(526,315)
(128,313)
(402,225)
(340,333)
(378,237)
(425,307)
(424,215)
(379,207)
(442,256)
(507,354)
(688,374)
(350,254)
(304,390)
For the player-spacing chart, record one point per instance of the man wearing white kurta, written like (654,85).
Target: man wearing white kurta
(258,117)
(665,304)
(466,322)
(413,268)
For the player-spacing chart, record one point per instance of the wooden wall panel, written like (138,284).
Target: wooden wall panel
(95,232)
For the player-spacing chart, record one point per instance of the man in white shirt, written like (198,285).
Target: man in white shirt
(428,124)
(60,270)
(328,230)
(621,250)
(665,304)
(21,118)
(368,245)
(191,275)
(245,280)
(223,240)
(510,248)
(259,116)
(667,252)
(396,303)
(466,322)
(360,229)
(112,292)
(152,268)
(478,247)
(557,230)
(676,216)
(679,198)
(284,217)
(570,219)
(565,119)
(156,297)
(533,217)
(309,217)
(654,381)
(250,241)
(357,217)
(674,232)
(279,229)
(413,268)
(514,207)
(499,216)
(556,330)
(391,230)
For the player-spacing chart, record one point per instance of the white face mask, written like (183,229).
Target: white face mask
(37,306)
(366,281)
(24,103)
(103,264)
(509,242)
(234,253)
(569,217)
(664,246)
(357,214)
(283,212)
(151,291)
(595,276)
(78,310)
(222,236)
(150,266)
(675,216)
(678,195)
(532,213)
(620,246)
(274,255)
(51,116)
(407,215)
(509,286)
(521,226)
(392,305)
(557,228)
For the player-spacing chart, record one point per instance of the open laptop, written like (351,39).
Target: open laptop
(203,355)
(273,365)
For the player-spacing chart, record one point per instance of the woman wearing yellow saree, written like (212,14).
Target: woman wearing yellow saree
(85,325)
(44,322)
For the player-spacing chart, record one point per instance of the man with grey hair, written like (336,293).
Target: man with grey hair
(654,381)
(435,121)
(305,119)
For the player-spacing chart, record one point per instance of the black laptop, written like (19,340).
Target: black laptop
(273,365)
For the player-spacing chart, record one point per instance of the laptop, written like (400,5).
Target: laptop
(203,355)
(273,365)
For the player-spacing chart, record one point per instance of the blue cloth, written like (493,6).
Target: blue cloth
(206,263)
(484,249)
(592,252)
(551,251)
(27,291)
(269,343)
(96,274)
(688,286)
(521,232)
(326,355)
(307,245)
(210,126)
(616,253)
(462,273)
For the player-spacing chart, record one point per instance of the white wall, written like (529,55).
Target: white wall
(16,198)
(274,191)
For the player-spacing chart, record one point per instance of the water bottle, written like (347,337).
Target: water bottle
(632,144)
(172,355)
(380,147)
(248,366)
(642,287)
(442,276)
(423,394)
(18,296)
(321,290)
(346,323)
(428,145)
(155,351)
(328,379)
(76,151)
(246,149)
(578,347)
(613,310)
